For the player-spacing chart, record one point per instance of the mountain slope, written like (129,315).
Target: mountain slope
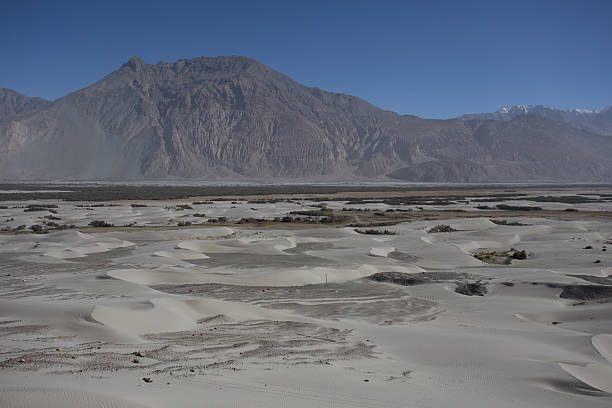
(595,121)
(233,117)
(14,103)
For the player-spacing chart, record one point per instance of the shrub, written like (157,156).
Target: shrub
(441,228)
(517,207)
(509,223)
(375,232)
(38,229)
(98,223)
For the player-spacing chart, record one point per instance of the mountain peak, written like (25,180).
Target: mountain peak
(234,117)
(14,103)
(534,109)
(593,120)
(134,62)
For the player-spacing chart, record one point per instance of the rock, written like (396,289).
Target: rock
(147,379)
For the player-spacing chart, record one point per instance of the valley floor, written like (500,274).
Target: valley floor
(302,313)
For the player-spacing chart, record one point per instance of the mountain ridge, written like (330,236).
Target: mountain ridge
(15,103)
(234,117)
(594,120)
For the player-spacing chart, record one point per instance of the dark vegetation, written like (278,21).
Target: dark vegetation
(180,207)
(375,232)
(501,257)
(517,207)
(323,212)
(508,223)
(91,206)
(411,279)
(101,224)
(584,292)
(88,192)
(40,207)
(217,220)
(571,199)
(38,229)
(81,192)
(472,289)
(441,228)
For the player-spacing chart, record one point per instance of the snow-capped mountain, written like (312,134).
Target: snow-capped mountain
(596,121)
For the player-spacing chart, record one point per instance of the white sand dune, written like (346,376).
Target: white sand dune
(603,345)
(472,245)
(162,315)
(594,374)
(22,397)
(182,255)
(381,251)
(258,326)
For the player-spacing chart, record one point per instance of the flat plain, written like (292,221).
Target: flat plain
(476,296)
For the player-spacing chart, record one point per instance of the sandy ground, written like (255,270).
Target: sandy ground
(243,316)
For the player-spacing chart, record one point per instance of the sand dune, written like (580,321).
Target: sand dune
(284,315)
(603,344)
(596,375)
(59,398)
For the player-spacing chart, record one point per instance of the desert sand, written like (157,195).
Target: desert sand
(289,315)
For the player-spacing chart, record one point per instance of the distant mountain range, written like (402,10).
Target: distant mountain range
(233,117)
(596,121)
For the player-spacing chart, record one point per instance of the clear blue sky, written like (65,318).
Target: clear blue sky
(429,58)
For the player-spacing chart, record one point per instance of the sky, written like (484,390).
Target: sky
(434,59)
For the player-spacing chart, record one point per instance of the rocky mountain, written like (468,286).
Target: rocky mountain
(14,103)
(233,117)
(595,121)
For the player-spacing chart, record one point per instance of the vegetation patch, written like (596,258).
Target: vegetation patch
(501,257)
(100,224)
(375,232)
(506,207)
(472,289)
(441,228)
(508,223)
(411,279)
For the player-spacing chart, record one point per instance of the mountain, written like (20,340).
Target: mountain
(233,117)
(595,121)
(14,103)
